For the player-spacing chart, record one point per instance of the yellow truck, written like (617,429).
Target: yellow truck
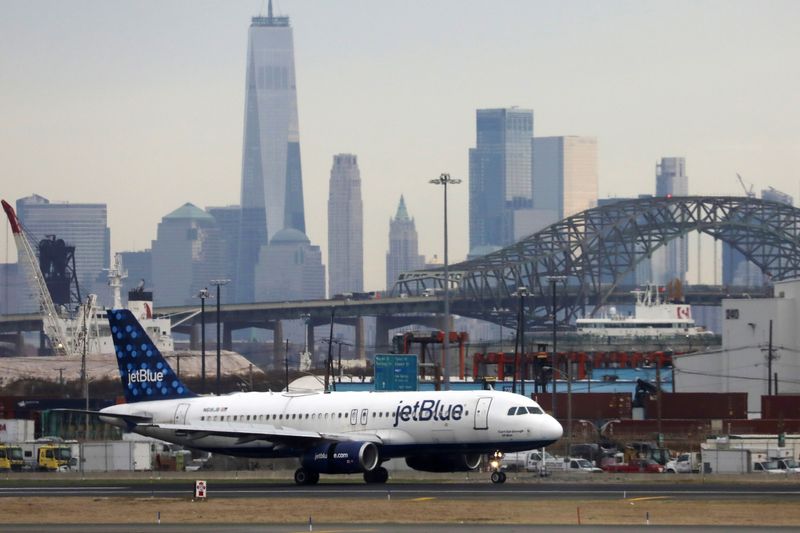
(47,454)
(11,458)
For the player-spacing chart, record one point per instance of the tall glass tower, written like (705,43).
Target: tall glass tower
(500,174)
(345,227)
(673,262)
(272,180)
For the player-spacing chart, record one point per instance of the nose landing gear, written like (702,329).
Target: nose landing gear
(498,476)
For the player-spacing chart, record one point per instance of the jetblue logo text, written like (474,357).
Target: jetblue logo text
(427,410)
(145,375)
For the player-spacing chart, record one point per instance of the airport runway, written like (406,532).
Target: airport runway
(477,489)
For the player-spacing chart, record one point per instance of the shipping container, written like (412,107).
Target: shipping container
(16,430)
(782,406)
(588,405)
(116,456)
(726,461)
(697,405)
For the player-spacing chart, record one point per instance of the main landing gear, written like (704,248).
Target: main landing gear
(377,475)
(306,477)
(303,476)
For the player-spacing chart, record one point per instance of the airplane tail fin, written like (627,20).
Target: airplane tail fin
(145,373)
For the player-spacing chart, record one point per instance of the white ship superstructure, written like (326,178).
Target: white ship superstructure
(652,317)
(90,324)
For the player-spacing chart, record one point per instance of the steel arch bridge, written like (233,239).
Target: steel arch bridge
(594,250)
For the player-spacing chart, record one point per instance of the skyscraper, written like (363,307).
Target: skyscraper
(345,227)
(290,269)
(673,262)
(403,253)
(565,176)
(272,186)
(186,255)
(500,175)
(82,225)
(229,220)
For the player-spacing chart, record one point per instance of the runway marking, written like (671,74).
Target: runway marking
(59,489)
(339,530)
(647,498)
(422,499)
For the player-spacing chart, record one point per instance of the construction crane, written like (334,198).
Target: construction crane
(748,193)
(52,325)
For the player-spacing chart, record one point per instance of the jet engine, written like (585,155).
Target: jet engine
(341,458)
(444,462)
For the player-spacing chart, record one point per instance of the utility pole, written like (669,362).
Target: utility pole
(553,280)
(769,361)
(329,363)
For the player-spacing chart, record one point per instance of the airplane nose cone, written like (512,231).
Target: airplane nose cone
(552,429)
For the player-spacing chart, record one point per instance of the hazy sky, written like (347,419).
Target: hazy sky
(139,104)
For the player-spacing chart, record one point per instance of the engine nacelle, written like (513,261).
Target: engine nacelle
(341,458)
(444,462)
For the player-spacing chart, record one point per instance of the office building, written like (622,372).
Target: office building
(187,254)
(671,262)
(272,187)
(139,268)
(229,220)
(345,227)
(565,176)
(500,175)
(14,290)
(403,254)
(82,225)
(290,268)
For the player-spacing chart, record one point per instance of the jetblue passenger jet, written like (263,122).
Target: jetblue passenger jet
(329,432)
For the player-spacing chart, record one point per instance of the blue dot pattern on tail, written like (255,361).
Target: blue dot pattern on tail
(145,373)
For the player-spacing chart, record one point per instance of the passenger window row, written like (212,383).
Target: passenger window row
(293,416)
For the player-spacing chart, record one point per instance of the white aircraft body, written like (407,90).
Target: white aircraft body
(330,432)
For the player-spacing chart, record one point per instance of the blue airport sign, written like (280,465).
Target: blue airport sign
(396,372)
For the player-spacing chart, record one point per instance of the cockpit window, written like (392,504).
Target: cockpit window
(535,410)
(512,411)
(522,411)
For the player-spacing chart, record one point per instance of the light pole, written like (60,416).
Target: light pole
(203,294)
(519,342)
(568,377)
(219,283)
(444,180)
(554,362)
(600,430)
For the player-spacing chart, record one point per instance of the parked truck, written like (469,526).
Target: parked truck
(11,458)
(684,463)
(48,454)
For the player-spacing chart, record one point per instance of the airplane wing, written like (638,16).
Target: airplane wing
(131,419)
(276,435)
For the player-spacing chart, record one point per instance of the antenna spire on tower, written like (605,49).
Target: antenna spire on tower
(269,10)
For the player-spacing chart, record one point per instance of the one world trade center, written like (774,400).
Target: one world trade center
(272,180)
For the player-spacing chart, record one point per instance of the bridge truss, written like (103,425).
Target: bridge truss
(587,255)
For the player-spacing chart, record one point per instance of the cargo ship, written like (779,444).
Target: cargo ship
(652,317)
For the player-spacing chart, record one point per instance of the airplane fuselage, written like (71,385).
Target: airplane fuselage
(399,423)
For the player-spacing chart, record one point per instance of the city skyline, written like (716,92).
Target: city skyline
(148,127)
